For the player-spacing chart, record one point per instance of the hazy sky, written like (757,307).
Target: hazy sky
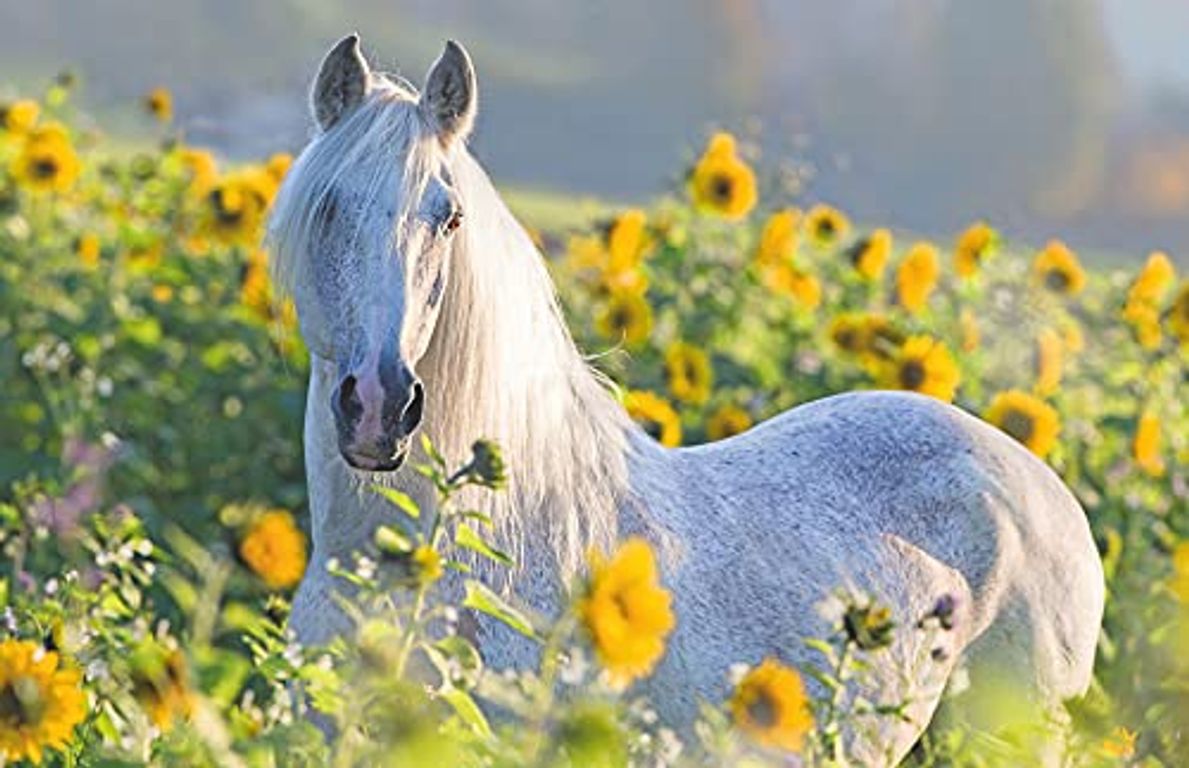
(1062,117)
(1150,38)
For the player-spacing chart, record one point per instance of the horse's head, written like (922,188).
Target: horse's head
(363,233)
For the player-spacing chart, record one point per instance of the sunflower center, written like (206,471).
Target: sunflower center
(621,604)
(721,188)
(1057,280)
(912,374)
(653,428)
(228,206)
(826,229)
(1019,425)
(621,319)
(762,711)
(690,371)
(21,702)
(45,167)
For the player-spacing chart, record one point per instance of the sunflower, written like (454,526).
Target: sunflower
(872,338)
(770,706)
(721,183)
(1179,583)
(626,317)
(275,549)
(235,207)
(41,701)
(1144,319)
(159,103)
(88,249)
(787,280)
(690,374)
(1120,745)
(1028,419)
(46,162)
(826,225)
(255,291)
(1145,448)
(1048,362)
(200,168)
(917,277)
(19,116)
(655,416)
(427,564)
(627,241)
(968,325)
(728,420)
(869,256)
(923,364)
(778,240)
(978,243)
(1178,315)
(160,682)
(1153,280)
(278,166)
(626,612)
(585,253)
(1057,268)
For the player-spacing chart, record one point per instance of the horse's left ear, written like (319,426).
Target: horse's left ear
(451,94)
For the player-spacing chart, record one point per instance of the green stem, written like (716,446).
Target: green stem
(830,727)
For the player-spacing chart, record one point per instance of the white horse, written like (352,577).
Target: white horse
(426,305)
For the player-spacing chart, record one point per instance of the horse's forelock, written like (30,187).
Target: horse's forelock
(384,139)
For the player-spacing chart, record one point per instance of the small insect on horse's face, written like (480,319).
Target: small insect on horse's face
(380,244)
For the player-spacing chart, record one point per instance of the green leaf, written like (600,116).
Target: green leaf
(222,674)
(481,517)
(465,537)
(143,330)
(432,452)
(390,541)
(482,599)
(468,710)
(402,501)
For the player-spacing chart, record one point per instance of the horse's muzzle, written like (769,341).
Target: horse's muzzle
(375,414)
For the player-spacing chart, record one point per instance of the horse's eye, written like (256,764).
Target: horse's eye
(452,224)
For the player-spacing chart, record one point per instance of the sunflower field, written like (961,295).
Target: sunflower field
(152,490)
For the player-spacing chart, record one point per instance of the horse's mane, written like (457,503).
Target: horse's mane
(501,363)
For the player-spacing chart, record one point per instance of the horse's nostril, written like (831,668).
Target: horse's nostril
(410,417)
(347,396)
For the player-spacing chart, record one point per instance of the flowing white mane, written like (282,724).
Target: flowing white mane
(501,363)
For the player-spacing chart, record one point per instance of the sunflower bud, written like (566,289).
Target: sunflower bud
(869,627)
(487,465)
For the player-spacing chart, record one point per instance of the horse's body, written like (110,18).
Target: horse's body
(893,495)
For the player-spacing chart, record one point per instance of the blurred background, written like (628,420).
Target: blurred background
(1064,118)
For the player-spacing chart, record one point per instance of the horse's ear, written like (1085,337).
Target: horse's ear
(341,83)
(451,94)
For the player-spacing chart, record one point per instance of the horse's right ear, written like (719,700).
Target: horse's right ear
(341,83)
(451,94)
